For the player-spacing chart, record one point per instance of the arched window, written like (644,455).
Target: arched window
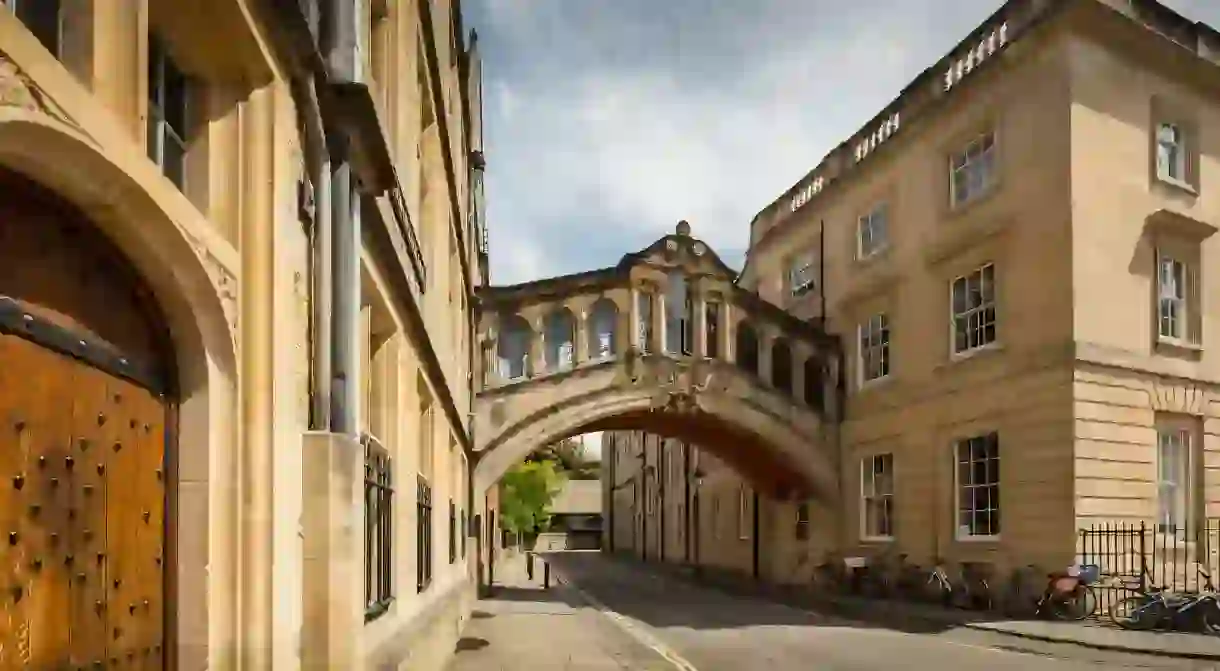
(602,328)
(513,347)
(747,348)
(559,341)
(781,366)
(815,394)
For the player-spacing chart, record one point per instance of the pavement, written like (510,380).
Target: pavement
(523,626)
(697,627)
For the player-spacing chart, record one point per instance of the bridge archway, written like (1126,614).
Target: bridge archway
(745,380)
(710,404)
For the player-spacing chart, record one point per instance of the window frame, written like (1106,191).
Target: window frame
(378,529)
(958,485)
(423,534)
(1180,300)
(1181,481)
(21,10)
(867,221)
(802,275)
(980,309)
(869,493)
(161,66)
(960,161)
(1181,146)
(801,532)
(880,348)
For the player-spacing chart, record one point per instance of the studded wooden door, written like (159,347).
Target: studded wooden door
(82,450)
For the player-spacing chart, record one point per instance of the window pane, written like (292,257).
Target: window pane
(173,158)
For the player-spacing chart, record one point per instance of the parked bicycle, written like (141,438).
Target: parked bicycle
(1158,607)
(1069,595)
(975,582)
(938,587)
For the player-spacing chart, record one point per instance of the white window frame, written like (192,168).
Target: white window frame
(161,130)
(802,275)
(873,226)
(973,318)
(1173,293)
(873,349)
(1173,469)
(964,529)
(975,164)
(870,495)
(1172,152)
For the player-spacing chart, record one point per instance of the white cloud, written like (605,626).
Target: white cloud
(606,134)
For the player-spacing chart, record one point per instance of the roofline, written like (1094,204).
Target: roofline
(1021,16)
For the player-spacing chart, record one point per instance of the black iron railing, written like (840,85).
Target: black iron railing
(378,529)
(423,534)
(1140,555)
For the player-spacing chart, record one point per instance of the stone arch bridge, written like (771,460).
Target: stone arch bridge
(664,341)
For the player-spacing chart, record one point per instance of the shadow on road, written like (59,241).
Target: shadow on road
(668,595)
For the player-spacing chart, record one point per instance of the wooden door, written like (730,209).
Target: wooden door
(83,435)
(82,452)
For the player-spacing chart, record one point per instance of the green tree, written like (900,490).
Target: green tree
(526,494)
(571,459)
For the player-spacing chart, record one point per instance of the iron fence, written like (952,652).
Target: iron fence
(1138,556)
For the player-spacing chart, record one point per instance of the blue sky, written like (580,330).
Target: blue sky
(607,121)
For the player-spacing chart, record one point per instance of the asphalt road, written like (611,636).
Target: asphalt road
(709,630)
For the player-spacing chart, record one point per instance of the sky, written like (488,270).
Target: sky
(608,121)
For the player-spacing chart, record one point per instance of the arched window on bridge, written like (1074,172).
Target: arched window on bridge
(814,384)
(559,340)
(711,323)
(781,366)
(602,329)
(747,348)
(646,333)
(513,347)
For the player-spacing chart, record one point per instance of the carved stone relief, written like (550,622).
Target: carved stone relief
(223,281)
(17,89)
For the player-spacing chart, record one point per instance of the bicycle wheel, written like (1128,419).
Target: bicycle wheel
(1137,612)
(1210,617)
(1081,605)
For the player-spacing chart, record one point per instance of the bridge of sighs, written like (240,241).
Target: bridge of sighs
(664,341)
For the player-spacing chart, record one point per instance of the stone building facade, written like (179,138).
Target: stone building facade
(240,244)
(1016,253)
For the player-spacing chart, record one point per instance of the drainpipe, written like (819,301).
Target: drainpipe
(340,53)
(319,177)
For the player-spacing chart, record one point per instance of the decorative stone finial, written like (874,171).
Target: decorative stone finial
(683,229)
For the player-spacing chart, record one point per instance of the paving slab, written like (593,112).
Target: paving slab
(522,626)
